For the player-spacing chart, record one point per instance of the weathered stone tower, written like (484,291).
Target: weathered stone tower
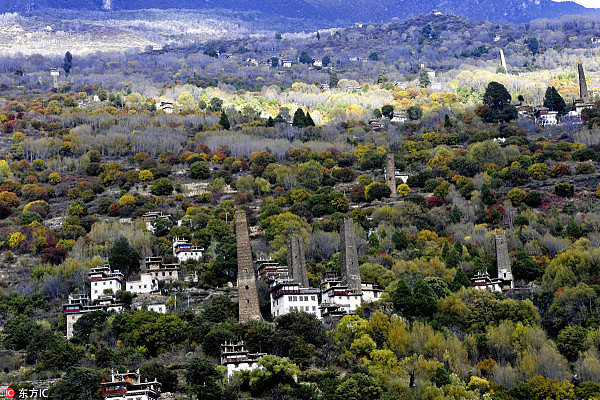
(502,259)
(296,261)
(503,61)
(583,92)
(349,257)
(246,281)
(390,174)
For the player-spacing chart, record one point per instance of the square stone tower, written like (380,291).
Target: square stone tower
(349,257)
(583,91)
(502,259)
(298,272)
(390,174)
(246,281)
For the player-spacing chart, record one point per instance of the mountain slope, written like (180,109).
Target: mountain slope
(327,11)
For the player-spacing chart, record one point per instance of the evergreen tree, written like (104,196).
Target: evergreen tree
(270,122)
(224,121)
(68,62)
(382,77)
(305,58)
(403,299)
(387,111)
(425,299)
(318,36)
(400,239)
(333,79)
(308,121)
(460,280)
(299,120)
(124,257)
(424,80)
(496,96)
(554,101)
(326,60)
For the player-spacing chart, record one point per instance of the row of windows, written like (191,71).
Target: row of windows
(104,283)
(301,298)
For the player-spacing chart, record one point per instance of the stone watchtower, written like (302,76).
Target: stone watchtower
(296,261)
(502,259)
(390,174)
(246,281)
(583,91)
(349,257)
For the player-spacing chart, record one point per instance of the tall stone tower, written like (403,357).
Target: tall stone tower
(503,61)
(246,281)
(390,174)
(296,261)
(349,257)
(54,72)
(502,259)
(583,92)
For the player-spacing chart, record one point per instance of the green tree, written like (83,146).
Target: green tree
(299,120)
(414,113)
(333,80)
(571,341)
(525,267)
(155,370)
(564,189)
(382,77)
(77,384)
(425,299)
(224,121)
(424,80)
(387,110)
(373,56)
(68,62)
(161,187)
(400,239)
(124,257)
(554,101)
(460,280)
(533,44)
(310,173)
(359,387)
(203,379)
(87,323)
(308,121)
(440,377)
(273,372)
(199,170)
(403,299)
(496,96)
(377,191)
(305,58)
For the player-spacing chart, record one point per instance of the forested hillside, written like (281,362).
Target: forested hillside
(446,167)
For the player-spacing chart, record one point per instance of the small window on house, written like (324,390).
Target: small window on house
(247,301)
(247,287)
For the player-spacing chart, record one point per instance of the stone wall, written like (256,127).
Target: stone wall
(349,257)
(246,282)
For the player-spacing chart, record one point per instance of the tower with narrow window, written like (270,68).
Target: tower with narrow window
(349,257)
(296,261)
(246,281)
(390,174)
